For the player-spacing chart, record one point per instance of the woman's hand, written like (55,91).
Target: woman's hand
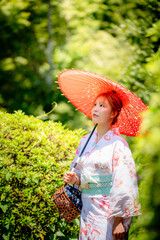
(118,230)
(71,178)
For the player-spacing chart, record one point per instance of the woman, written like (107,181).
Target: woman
(106,175)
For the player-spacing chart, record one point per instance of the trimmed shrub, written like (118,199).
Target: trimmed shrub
(33,158)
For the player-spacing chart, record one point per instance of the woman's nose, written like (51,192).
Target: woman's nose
(96,108)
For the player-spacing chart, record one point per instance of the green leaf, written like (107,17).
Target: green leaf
(4,207)
(6,237)
(60,234)
(8,176)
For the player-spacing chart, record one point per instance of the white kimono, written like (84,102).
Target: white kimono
(108,184)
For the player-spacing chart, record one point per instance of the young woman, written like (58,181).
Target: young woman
(106,171)
(106,175)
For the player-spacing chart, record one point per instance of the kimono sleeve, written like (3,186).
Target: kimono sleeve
(124,191)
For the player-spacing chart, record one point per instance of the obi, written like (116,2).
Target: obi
(100,185)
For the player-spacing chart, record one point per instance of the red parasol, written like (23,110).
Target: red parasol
(82,88)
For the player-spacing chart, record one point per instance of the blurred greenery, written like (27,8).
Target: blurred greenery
(118,39)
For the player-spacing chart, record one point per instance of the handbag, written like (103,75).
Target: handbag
(68,198)
(68,201)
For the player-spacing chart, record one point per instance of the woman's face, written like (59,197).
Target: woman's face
(102,111)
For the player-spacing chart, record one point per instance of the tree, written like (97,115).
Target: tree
(26,70)
(41,39)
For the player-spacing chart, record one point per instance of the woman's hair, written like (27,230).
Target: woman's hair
(115,102)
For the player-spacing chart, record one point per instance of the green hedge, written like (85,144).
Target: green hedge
(33,158)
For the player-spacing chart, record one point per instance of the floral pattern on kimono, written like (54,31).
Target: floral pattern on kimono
(111,156)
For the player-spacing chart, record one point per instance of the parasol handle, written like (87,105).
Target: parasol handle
(85,145)
(83,148)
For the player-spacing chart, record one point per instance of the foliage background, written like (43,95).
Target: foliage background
(116,38)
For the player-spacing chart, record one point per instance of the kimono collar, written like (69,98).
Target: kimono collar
(114,130)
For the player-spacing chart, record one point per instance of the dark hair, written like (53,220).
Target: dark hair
(115,102)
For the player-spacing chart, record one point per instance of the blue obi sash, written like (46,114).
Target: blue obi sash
(101,186)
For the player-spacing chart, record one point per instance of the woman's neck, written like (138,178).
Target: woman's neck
(101,130)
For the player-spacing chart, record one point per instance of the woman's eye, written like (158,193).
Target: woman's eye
(101,105)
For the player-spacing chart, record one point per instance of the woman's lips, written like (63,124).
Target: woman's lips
(95,115)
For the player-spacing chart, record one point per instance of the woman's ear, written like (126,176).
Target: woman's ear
(114,114)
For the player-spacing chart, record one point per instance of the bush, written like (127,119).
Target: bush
(33,158)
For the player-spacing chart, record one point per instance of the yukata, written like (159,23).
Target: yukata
(108,185)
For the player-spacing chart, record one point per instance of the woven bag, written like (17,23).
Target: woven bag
(68,201)
(68,198)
